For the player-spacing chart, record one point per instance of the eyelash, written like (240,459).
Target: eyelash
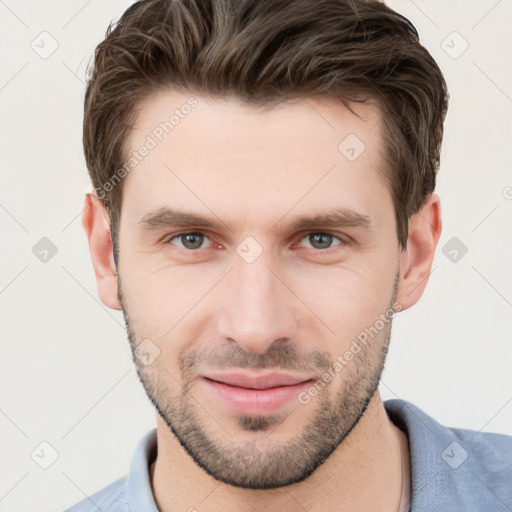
(168,240)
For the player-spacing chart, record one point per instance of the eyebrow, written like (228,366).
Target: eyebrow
(166,217)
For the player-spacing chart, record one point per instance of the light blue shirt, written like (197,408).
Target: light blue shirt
(452,469)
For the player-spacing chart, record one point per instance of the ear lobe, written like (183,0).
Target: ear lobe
(97,228)
(416,261)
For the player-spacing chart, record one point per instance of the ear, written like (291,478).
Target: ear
(416,260)
(95,220)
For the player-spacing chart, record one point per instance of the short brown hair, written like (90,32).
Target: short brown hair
(265,52)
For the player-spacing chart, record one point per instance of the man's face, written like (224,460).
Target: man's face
(256,293)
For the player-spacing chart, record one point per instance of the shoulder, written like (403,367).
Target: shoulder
(483,447)
(109,499)
(131,492)
(488,454)
(468,468)
(479,466)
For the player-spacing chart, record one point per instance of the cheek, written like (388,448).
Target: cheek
(348,300)
(165,306)
(154,304)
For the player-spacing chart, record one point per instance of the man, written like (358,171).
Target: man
(263,205)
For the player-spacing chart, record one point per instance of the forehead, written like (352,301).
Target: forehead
(230,155)
(294,123)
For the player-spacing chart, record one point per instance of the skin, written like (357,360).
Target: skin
(296,308)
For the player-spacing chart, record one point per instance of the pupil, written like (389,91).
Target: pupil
(318,238)
(189,237)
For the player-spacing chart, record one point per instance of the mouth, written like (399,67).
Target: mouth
(248,394)
(258,381)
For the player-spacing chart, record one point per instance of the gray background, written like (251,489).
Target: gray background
(67,375)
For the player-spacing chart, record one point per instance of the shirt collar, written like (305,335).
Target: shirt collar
(140,496)
(432,480)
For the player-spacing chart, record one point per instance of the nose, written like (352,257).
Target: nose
(258,307)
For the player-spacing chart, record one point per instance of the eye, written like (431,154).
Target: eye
(322,240)
(190,241)
(193,240)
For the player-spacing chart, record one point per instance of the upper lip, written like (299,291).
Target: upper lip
(269,380)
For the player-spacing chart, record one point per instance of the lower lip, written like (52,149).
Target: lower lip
(255,401)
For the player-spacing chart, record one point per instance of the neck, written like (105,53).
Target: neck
(364,473)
